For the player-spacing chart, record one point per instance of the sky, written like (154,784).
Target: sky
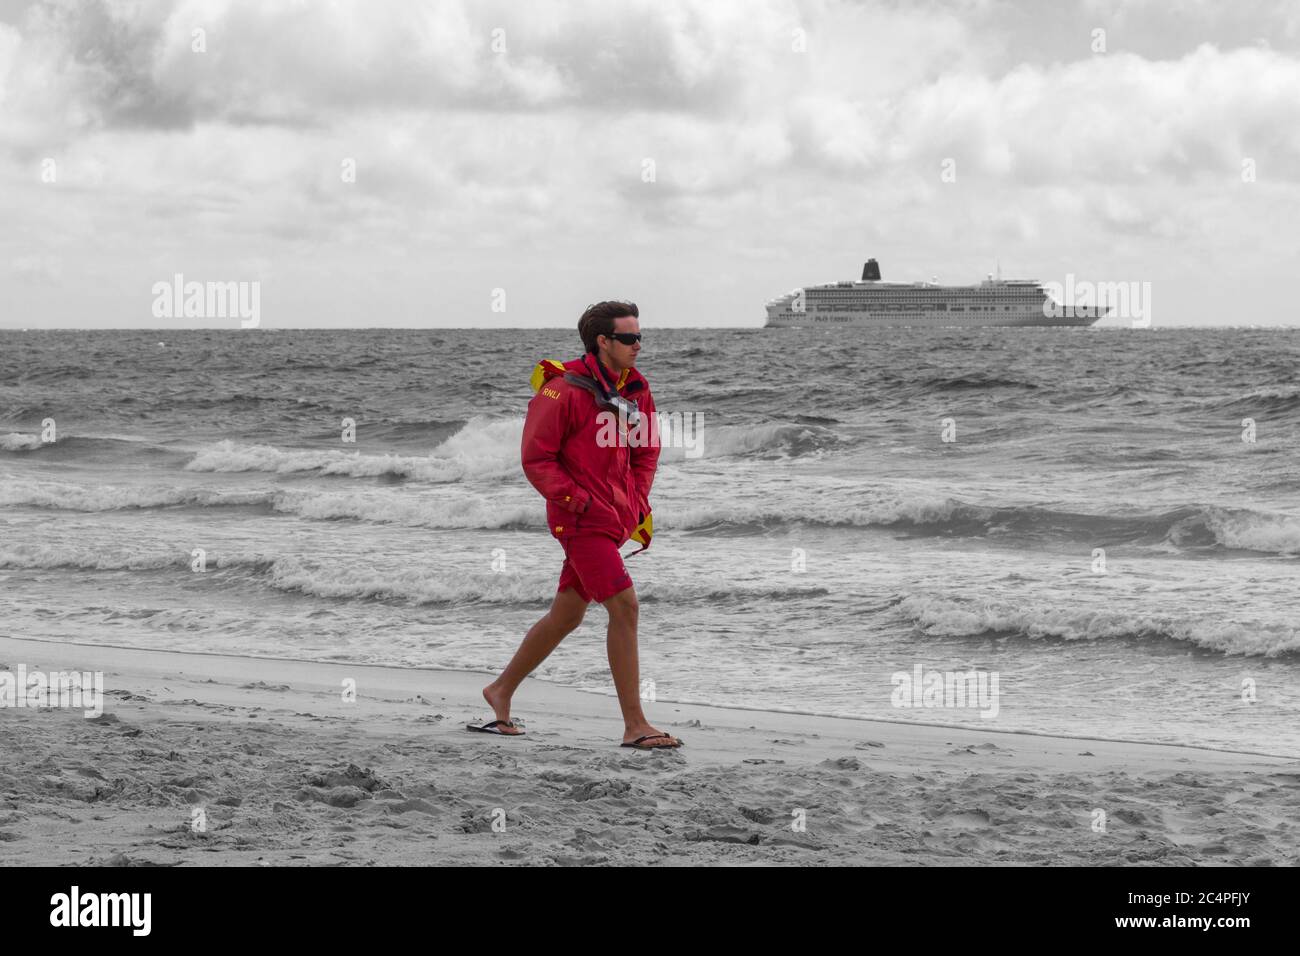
(504,164)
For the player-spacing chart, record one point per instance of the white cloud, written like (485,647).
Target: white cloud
(234,154)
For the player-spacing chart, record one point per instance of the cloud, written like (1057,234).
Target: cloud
(876,86)
(495,125)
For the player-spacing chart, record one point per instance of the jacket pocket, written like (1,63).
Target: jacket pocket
(564,523)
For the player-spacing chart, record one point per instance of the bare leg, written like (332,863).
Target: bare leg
(624,665)
(566,613)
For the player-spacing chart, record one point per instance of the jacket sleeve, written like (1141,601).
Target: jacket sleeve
(645,459)
(545,427)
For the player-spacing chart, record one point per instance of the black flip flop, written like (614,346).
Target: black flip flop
(640,746)
(488,728)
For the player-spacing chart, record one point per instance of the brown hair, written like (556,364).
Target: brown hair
(599,320)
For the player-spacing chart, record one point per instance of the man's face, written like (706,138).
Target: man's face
(622,356)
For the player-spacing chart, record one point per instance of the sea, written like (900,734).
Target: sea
(1101,526)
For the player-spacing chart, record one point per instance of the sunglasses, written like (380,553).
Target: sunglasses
(627,338)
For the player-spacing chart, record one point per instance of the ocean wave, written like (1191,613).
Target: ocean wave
(1264,400)
(768,440)
(349,581)
(1248,530)
(482,448)
(239,401)
(815,420)
(755,517)
(955,617)
(15,415)
(943,383)
(921,515)
(479,448)
(18,441)
(54,557)
(1187,528)
(408,432)
(69,497)
(84,447)
(420,586)
(43,556)
(461,511)
(1191,528)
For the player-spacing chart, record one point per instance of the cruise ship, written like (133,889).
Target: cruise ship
(872,302)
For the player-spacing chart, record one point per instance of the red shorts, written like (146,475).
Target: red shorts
(593,567)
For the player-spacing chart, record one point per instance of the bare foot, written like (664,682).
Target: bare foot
(499,701)
(655,739)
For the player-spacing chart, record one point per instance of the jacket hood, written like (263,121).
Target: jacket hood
(630,382)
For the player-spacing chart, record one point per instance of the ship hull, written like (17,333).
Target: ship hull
(935,320)
(873,303)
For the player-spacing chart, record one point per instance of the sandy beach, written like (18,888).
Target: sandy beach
(286,772)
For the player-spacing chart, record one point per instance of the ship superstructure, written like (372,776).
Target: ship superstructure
(871,301)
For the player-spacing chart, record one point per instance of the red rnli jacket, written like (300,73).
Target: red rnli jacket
(590,489)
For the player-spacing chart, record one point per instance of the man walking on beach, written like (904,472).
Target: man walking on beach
(590,446)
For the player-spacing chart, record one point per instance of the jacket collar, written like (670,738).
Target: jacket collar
(591,361)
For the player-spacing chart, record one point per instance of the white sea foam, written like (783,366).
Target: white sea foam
(344,579)
(482,448)
(487,448)
(18,441)
(956,617)
(825,509)
(1253,531)
(66,496)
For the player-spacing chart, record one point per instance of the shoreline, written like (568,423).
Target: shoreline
(288,773)
(738,708)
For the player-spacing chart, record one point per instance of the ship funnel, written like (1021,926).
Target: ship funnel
(870,271)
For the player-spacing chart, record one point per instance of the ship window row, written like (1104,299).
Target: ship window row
(852,298)
(939,307)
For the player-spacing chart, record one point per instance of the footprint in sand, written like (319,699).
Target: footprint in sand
(124,695)
(842,763)
(396,802)
(263,685)
(975,819)
(107,720)
(757,814)
(352,776)
(977,749)
(345,797)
